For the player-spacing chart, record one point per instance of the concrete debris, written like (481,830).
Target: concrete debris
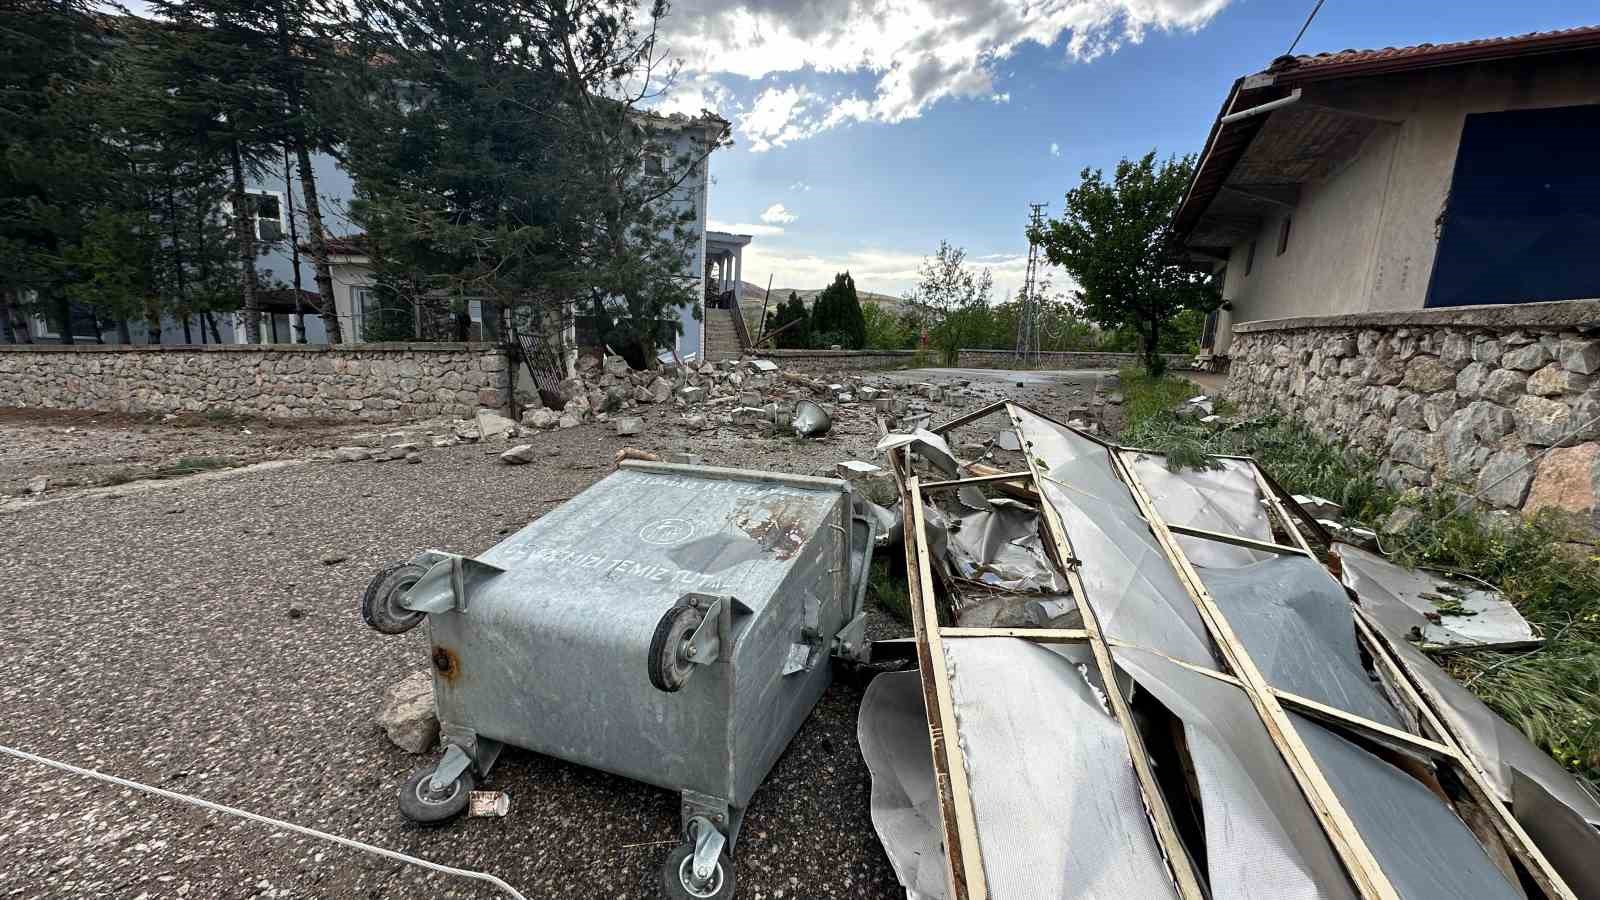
(763,365)
(352,454)
(518,455)
(407,715)
(413,457)
(569,420)
(492,425)
(629,425)
(686,459)
(541,418)
(875,483)
(38,484)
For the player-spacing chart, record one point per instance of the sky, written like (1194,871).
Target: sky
(866,131)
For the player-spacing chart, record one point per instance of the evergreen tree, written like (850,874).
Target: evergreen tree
(836,315)
(792,336)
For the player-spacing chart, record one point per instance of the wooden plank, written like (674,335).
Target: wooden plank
(962,857)
(1177,855)
(976,479)
(1042,635)
(1362,866)
(1363,726)
(1236,540)
(1476,781)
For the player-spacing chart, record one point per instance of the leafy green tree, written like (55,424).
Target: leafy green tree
(1113,241)
(952,301)
(795,323)
(884,330)
(836,316)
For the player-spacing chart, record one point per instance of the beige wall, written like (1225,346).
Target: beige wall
(1363,238)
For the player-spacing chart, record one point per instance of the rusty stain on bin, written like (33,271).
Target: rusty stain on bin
(445,663)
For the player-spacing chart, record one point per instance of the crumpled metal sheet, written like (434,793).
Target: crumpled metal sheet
(1501,750)
(892,729)
(1400,598)
(1127,578)
(997,561)
(925,444)
(1226,499)
(1426,851)
(810,419)
(1296,624)
(1571,844)
(1262,839)
(1056,803)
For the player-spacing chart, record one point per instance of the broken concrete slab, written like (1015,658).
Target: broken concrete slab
(628,425)
(38,484)
(492,425)
(352,454)
(541,418)
(875,483)
(407,714)
(569,420)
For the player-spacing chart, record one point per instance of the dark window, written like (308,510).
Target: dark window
(1283,235)
(1208,336)
(1250,258)
(1520,220)
(269,217)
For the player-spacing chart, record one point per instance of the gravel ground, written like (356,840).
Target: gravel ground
(191,637)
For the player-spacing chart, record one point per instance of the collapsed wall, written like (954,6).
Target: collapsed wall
(382,382)
(1466,397)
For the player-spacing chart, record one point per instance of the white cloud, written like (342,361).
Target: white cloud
(750,228)
(918,51)
(777,214)
(694,93)
(799,187)
(1055,149)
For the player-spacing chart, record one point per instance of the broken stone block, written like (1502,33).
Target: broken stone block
(1401,519)
(763,365)
(643,395)
(516,456)
(617,367)
(629,425)
(695,422)
(868,393)
(413,457)
(1568,483)
(541,418)
(875,483)
(352,454)
(569,421)
(38,484)
(692,394)
(407,715)
(661,389)
(492,425)
(749,398)
(750,415)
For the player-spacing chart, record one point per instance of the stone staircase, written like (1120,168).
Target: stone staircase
(722,336)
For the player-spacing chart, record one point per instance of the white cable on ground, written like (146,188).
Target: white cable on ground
(276,823)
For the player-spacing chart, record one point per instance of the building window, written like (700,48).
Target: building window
(1283,235)
(267,210)
(655,163)
(1249,258)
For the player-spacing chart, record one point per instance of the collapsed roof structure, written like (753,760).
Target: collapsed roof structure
(1145,682)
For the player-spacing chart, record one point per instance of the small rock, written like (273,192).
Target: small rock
(407,715)
(333,558)
(875,483)
(516,456)
(296,612)
(627,425)
(413,457)
(352,454)
(38,484)
(1401,519)
(1114,399)
(569,420)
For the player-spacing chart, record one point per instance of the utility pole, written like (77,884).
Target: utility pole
(1028,312)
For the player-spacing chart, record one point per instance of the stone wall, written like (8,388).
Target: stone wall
(365,381)
(1062,359)
(1465,397)
(846,360)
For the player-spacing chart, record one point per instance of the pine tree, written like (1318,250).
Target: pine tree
(836,316)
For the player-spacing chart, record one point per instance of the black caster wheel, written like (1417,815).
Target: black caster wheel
(380,605)
(420,803)
(677,877)
(669,669)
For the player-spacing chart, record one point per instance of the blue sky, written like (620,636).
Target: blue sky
(882,126)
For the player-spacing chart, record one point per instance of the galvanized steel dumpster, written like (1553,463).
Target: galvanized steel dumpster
(672,624)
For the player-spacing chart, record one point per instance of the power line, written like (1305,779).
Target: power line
(1297,37)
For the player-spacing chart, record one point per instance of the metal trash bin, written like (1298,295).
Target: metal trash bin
(671,624)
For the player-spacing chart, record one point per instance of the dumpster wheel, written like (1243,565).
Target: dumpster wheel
(677,876)
(669,667)
(380,605)
(420,803)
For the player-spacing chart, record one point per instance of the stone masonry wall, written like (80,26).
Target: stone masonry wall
(1464,397)
(364,381)
(843,360)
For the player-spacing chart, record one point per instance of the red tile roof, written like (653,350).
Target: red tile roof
(1357,62)
(348,245)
